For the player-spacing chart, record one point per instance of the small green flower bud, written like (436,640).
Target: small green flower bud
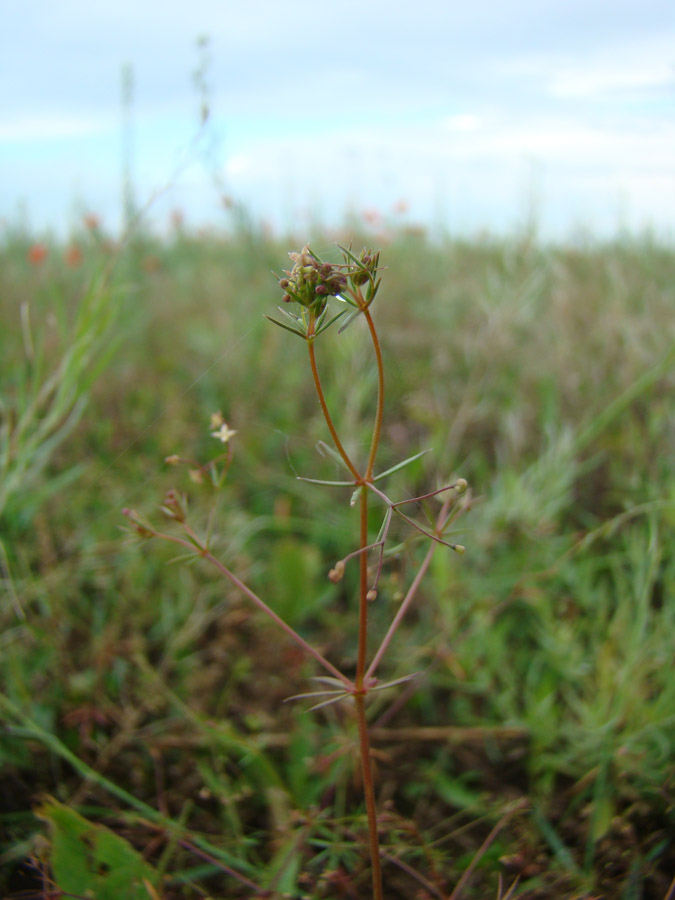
(359,278)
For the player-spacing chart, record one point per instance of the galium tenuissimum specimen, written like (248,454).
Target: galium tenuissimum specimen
(309,288)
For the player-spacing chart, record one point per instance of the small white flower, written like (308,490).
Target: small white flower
(224,433)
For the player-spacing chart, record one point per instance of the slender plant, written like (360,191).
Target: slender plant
(308,288)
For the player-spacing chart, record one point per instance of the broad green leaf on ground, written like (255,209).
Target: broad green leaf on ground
(89,860)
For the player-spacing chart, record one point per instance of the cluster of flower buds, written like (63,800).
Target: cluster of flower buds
(364,266)
(174,505)
(310,282)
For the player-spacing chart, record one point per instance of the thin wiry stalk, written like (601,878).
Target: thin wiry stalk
(466,875)
(379,412)
(326,413)
(195,546)
(363,593)
(412,590)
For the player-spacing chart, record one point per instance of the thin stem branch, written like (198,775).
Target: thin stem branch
(326,413)
(260,603)
(379,412)
(402,610)
(379,544)
(412,590)
(291,632)
(468,872)
(433,536)
(188,845)
(431,888)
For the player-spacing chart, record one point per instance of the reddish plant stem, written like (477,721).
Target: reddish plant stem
(359,692)
(403,608)
(412,590)
(363,592)
(369,795)
(259,602)
(359,697)
(324,409)
(291,632)
(379,412)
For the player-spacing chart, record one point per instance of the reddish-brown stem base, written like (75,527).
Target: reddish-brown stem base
(369,795)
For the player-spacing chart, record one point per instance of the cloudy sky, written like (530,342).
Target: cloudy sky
(463,115)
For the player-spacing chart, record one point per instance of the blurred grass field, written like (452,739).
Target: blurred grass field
(546,700)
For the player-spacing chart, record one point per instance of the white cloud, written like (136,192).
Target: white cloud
(598,80)
(54,126)
(481,168)
(238,165)
(462,122)
(631,66)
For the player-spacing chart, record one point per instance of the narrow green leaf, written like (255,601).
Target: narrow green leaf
(401,465)
(329,483)
(550,835)
(328,702)
(373,288)
(307,694)
(348,253)
(348,321)
(287,328)
(388,684)
(325,450)
(328,679)
(328,324)
(289,315)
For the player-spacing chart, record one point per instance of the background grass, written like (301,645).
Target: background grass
(546,703)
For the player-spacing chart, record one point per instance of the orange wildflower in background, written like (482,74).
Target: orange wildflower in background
(37,254)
